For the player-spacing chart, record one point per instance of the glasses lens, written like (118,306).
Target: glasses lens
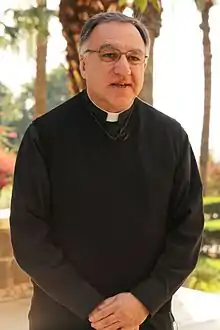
(134,57)
(109,55)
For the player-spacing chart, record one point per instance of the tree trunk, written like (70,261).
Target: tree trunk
(40,90)
(146,93)
(204,151)
(72,15)
(152,20)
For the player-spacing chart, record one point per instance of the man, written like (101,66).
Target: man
(106,213)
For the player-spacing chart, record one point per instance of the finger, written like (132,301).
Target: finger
(105,303)
(114,326)
(102,313)
(106,322)
(102,305)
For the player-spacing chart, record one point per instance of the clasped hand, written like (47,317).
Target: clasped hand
(122,311)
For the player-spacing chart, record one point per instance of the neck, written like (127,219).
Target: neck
(111,110)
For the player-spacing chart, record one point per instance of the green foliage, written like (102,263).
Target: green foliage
(8,113)
(122,2)
(8,110)
(7,138)
(8,36)
(57,87)
(57,91)
(213,178)
(156,4)
(213,263)
(142,4)
(211,200)
(5,197)
(17,114)
(212,225)
(33,19)
(211,207)
(206,276)
(26,24)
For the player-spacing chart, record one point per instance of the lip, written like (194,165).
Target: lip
(118,83)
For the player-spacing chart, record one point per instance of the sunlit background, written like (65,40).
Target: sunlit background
(178,65)
(178,87)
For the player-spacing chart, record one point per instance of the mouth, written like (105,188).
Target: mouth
(118,85)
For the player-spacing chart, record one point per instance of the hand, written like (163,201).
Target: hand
(123,311)
(136,328)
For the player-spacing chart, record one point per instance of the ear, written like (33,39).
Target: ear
(146,64)
(82,65)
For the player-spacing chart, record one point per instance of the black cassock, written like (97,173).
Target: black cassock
(100,208)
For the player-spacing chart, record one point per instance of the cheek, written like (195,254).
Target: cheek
(138,76)
(97,74)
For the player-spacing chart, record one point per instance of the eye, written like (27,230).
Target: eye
(109,56)
(134,58)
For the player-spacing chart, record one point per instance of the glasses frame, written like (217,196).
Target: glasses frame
(98,51)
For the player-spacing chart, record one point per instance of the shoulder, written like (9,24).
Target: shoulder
(156,117)
(61,114)
(60,122)
(165,133)
(159,122)
(56,126)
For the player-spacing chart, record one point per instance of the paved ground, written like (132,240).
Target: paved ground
(193,310)
(13,315)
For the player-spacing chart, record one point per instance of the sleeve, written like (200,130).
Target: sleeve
(184,235)
(30,233)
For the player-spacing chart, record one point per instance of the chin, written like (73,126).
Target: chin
(121,101)
(120,106)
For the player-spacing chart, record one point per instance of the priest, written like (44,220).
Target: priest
(106,210)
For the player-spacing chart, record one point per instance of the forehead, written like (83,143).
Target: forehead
(122,35)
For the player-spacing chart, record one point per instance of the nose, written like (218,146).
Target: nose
(122,66)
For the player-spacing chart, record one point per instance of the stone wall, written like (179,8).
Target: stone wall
(12,278)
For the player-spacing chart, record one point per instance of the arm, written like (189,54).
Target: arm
(30,233)
(184,236)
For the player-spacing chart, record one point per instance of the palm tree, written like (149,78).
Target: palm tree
(151,17)
(32,25)
(204,7)
(40,86)
(72,16)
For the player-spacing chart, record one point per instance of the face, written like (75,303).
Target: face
(113,81)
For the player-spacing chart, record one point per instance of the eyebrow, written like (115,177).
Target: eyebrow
(115,47)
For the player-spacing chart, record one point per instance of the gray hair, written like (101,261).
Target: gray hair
(108,17)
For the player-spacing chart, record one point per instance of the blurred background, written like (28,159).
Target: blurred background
(39,70)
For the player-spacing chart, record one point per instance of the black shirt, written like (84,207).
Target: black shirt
(92,215)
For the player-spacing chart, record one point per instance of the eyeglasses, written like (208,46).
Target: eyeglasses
(113,55)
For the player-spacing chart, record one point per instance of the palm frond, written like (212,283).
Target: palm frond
(8,35)
(33,19)
(26,24)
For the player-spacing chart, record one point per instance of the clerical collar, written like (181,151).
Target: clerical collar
(105,116)
(112,117)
